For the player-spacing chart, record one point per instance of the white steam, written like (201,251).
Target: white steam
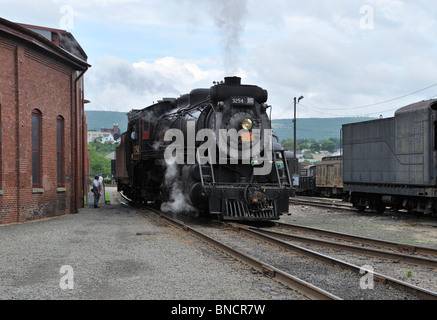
(177,202)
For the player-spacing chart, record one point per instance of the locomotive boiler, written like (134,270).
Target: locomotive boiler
(207,152)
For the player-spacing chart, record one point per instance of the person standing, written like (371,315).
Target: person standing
(96,191)
(100,184)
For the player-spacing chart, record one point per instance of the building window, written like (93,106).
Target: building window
(60,150)
(36,148)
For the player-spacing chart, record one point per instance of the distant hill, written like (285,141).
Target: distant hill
(106,119)
(316,128)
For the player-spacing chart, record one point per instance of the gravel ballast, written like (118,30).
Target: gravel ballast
(115,252)
(391,226)
(119,252)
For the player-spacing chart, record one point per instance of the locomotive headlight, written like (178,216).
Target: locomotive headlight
(247,124)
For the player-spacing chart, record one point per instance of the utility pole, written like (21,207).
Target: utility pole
(294,151)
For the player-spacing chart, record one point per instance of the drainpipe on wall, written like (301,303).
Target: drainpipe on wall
(77,104)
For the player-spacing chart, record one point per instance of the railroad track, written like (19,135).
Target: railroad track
(314,275)
(306,289)
(386,282)
(376,248)
(322,203)
(396,246)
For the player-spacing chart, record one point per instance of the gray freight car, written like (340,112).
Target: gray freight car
(392,162)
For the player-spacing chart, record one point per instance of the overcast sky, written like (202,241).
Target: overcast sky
(346,57)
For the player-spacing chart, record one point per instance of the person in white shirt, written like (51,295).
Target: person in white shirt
(100,184)
(96,191)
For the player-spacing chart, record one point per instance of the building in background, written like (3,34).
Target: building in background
(43,131)
(115,131)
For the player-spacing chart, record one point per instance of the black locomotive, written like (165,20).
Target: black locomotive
(210,151)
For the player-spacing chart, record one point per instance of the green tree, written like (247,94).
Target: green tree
(98,162)
(288,144)
(308,155)
(315,147)
(328,145)
(103,148)
(336,141)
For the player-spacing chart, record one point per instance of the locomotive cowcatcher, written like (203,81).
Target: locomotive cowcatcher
(207,152)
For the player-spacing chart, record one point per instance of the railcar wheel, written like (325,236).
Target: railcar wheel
(378,207)
(360,208)
(357,203)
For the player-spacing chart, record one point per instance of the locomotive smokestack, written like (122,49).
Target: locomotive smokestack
(233,80)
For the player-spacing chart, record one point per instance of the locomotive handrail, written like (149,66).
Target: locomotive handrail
(186,109)
(201,166)
(287,170)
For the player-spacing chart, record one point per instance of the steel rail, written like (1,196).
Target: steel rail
(320,204)
(371,252)
(303,287)
(432,252)
(421,292)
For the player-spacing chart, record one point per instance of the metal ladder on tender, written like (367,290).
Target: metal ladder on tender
(206,170)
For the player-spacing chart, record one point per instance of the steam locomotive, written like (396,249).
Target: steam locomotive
(207,152)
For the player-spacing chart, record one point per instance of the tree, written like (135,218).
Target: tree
(308,155)
(336,141)
(98,162)
(103,148)
(288,144)
(315,147)
(328,145)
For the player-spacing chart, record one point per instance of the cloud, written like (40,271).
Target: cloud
(120,85)
(141,51)
(324,54)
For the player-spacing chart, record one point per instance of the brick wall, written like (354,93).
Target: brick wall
(31,79)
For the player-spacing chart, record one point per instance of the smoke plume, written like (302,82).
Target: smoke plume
(177,202)
(229,18)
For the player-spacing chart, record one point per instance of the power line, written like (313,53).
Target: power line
(382,102)
(364,106)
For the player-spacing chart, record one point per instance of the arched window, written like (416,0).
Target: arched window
(60,150)
(36,148)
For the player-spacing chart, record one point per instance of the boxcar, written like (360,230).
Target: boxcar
(329,181)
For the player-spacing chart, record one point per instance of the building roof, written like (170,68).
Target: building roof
(59,43)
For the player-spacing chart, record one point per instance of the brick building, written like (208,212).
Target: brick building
(43,153)
(112,131)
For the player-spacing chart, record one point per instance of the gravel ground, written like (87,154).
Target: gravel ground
(391,226)
(343,283)
(97,254)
